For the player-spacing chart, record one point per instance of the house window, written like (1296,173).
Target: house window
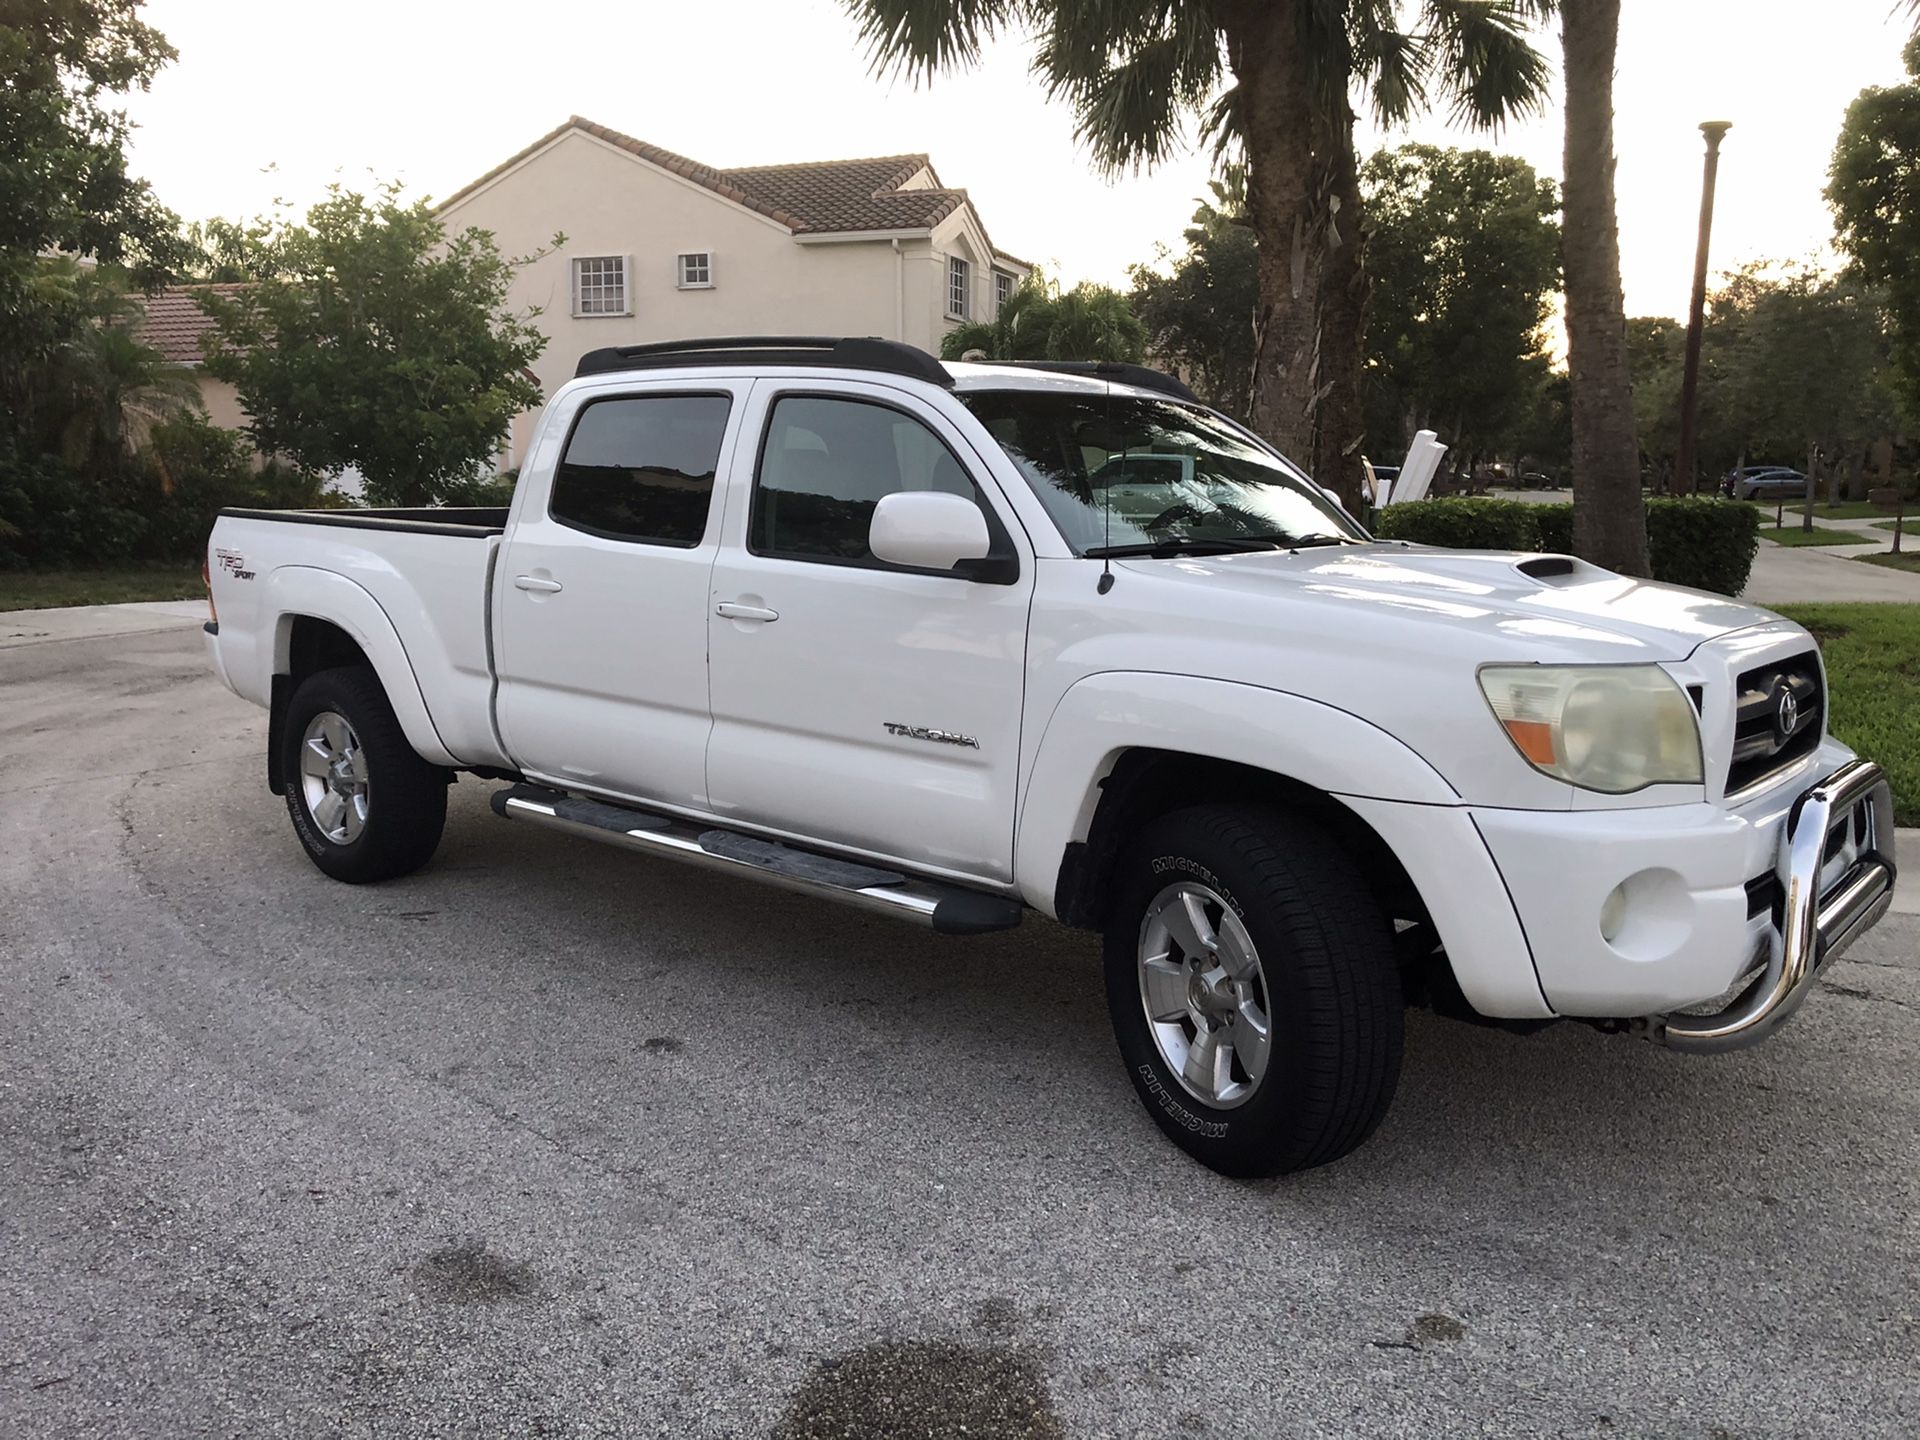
(600,285)
(959,277)
(696,270)
(1002,289)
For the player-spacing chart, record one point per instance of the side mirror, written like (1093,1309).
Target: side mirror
(928,530)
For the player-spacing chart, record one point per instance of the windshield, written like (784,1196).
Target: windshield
(1117,470)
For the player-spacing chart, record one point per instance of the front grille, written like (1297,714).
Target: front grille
(1779,716)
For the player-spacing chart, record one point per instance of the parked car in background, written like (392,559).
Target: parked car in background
(1763,482)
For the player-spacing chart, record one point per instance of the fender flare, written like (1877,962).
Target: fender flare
(293,591)
(1101,716)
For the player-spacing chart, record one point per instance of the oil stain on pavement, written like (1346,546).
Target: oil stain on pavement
(932,1388)
(468,1273)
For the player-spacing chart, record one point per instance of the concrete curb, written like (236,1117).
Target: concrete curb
(1906,854)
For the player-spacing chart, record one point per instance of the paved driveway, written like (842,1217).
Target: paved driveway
(553,1140)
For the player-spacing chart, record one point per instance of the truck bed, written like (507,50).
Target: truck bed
(428,520)
(411,586)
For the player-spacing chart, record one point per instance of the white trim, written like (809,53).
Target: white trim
(841,237)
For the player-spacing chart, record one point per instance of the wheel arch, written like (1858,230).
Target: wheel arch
(322,619)
(1123,748)
(1146,783)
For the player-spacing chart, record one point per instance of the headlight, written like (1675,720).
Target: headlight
(1611,728)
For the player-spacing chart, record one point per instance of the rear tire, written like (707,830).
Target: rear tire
(365,806)
(1280,1049)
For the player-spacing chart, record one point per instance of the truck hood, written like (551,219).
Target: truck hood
(1549,604)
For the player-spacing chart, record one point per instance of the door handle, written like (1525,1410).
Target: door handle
(534,582)
(735,611)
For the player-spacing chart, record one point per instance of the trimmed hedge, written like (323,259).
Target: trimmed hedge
(1703,544)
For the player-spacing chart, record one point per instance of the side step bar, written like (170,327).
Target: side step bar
(949,909)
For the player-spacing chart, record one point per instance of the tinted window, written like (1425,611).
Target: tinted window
(825,466)
(641,468)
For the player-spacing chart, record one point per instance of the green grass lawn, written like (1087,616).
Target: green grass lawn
(1792,534)
(1845,510)
(1910,525)
(45,589)
(1873,663)
(1905,560)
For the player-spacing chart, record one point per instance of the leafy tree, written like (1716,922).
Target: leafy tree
(1789,358)
(64,183)
(369,337)
(1873,185)
(1040,321)
(1609,515)
(1465,251)
(1276,79)
(1199,312)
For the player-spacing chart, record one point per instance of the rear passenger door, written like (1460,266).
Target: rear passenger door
(865,704)
(601,595)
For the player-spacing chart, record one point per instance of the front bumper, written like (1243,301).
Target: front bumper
(1638,914)
(1851,811)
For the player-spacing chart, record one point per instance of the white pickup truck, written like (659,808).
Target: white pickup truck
(927,639)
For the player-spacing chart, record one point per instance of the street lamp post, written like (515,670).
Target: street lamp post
(1684,467)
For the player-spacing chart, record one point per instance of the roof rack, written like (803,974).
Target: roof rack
(1144,377)
(841,352)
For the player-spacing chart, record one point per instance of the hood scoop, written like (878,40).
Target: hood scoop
(1557,569)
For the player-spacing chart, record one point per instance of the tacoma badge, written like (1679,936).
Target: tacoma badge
(939,737)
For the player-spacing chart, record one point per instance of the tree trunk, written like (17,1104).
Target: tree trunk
(1263,48)
(1609,515)
(1339,418)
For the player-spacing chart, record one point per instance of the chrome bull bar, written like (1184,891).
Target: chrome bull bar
(1814,928)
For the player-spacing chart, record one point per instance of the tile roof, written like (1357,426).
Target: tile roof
(813,198)
(174,325)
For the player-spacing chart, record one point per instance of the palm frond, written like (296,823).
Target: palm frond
(920,38)
(1132,69)
(1484,61)
(1394,63)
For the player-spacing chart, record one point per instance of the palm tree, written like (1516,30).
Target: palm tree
(1040,321)
(94,391)
(1609,515)
(1271,78)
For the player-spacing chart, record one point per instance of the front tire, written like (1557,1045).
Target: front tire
(1253,989)
(365,806)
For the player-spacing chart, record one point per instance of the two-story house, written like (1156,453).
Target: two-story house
(660,247)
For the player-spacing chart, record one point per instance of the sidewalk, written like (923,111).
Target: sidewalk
(89,622)
(1806,574)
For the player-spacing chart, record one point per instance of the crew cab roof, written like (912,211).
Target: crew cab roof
(869,353)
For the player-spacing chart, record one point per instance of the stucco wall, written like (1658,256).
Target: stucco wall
(766,281)
(221,402)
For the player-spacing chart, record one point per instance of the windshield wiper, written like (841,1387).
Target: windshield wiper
(1178,545)
(1308,541)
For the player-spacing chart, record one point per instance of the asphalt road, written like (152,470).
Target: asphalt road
(552,1140)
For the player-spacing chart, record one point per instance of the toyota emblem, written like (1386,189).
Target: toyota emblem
(1786,715)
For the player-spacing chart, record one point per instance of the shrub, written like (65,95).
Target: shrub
(1462,524)
(1706,544)
(53,515)
(1700,543)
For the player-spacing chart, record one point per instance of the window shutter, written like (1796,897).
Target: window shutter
(626,284)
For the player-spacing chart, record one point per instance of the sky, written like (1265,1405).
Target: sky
(272,100)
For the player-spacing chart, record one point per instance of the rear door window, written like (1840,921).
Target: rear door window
(641,468)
